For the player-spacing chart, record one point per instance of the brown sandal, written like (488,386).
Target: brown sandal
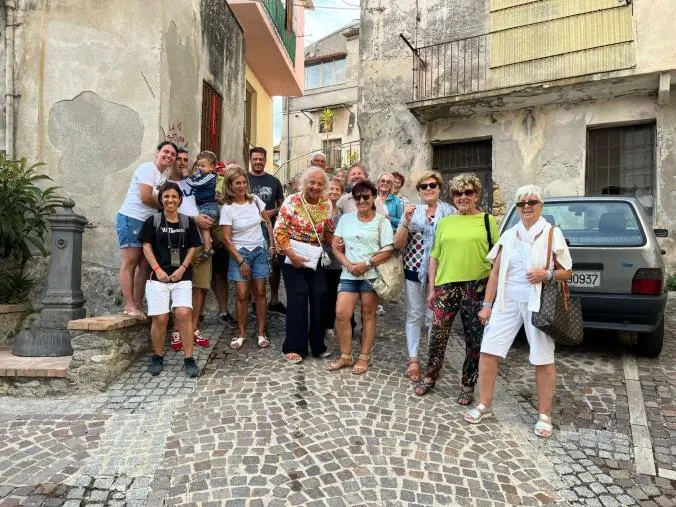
(466,396)
(360,370)
(343,361)
(413,370)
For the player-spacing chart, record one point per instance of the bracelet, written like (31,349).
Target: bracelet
(551,275)
(405,226)
(156,268)
(240,262)
(487,304)
(184,267)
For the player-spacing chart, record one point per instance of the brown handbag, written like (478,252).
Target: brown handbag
(560,316)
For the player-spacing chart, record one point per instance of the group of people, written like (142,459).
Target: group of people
(327,239)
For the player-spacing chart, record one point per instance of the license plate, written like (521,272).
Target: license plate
(585,279)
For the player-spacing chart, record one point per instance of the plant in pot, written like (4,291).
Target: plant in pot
(24,208)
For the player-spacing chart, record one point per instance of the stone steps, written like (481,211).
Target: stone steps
(36,367)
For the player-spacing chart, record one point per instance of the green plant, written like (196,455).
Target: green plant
(24,208)
(671,282)
(326,121)
(14,287)
(352,158)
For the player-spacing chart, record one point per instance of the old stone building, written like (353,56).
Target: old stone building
(91,87)
(331,84)
(574,95)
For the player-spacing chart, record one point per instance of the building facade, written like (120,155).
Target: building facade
(573,95)
(273,32)
(325,117)
(96,85)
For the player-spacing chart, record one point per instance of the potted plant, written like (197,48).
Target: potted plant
(24,208)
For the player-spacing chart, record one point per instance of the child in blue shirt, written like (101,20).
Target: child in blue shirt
(203,183)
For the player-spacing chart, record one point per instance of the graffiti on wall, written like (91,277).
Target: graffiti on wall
(176,135)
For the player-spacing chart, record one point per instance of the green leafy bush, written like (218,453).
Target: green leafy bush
(24,208)
(671,282)
(14,287)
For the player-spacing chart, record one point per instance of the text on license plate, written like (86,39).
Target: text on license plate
(585,279)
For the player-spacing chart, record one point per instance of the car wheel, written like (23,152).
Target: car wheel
(650,344)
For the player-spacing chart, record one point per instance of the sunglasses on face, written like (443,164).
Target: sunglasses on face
(182,159)
(530,203)
(468,193)
(362,197)
(425,186)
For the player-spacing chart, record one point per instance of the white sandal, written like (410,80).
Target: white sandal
(263,342)
(237,342)
(478,414)
(544,428)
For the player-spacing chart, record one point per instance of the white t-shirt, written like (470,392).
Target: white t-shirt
(145,174)
(245,220)
(346,204)
(517,286)
(189,205)
(363,240)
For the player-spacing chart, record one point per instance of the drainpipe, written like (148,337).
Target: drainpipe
(288,136)
(10,21)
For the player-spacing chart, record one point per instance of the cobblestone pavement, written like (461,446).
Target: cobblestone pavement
(255,430)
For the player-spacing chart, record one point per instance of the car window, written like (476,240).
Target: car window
(593,223)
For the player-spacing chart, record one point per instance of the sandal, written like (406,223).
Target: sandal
(343,361)
(263,342)
(413,370)
(293,358)
(360,370)
(424,386)
(544,428)
(136,314)
(466,396)
(478,414)
(236,342)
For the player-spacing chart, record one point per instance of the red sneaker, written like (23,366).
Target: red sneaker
(200,340)
(176,343)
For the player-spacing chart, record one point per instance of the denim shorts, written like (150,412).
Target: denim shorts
(209,209)
(257,260)
(358,286)
(127,231)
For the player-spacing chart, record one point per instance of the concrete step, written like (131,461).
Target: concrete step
(33,367)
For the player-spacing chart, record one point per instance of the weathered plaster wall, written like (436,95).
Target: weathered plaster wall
(655,35)
(393,138)
(100,84)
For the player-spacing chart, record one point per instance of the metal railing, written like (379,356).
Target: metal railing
(337,157)
(456,67)
(277,11)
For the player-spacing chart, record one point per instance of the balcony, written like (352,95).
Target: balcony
(271,50)
(530,57)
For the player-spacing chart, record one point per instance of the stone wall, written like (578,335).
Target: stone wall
(11,317)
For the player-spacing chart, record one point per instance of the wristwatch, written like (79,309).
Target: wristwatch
(369,263)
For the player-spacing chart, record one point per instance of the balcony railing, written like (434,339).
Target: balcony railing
(277,11)
(457,67)
(337,157)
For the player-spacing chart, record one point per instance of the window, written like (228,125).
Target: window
(212,104)
(471,157)
(332,150)
(621,161)
(325,74)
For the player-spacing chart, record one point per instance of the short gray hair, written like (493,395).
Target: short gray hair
(384,174)
(317,154)
(528,190)
(306,174)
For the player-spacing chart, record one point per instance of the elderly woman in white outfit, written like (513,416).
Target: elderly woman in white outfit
(512,295)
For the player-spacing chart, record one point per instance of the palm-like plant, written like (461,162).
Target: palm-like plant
(24,208)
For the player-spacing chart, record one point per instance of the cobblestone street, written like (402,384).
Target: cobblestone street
(255,430)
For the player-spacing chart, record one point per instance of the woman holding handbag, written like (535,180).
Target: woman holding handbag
(522,261)
(303,225)
(367,240)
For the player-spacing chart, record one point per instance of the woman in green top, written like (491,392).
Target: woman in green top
(458,272)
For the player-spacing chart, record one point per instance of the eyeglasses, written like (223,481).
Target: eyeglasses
(425,186)
(182,159)
(469,193)
(389,182)
(531,203)
(362,197)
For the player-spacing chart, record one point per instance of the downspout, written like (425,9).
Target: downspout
(10,22)
(288,137)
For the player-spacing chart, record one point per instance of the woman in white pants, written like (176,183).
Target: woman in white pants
(512,295)
(416,233)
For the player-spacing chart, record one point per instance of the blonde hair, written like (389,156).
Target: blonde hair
(380,176)
(231,174)
(431,174)
(209,156)
(529,190)
(462,181)
(338,181)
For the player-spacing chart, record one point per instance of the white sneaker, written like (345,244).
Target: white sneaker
(380,310)
(330,335)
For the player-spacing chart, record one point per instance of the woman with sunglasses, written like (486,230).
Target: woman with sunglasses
(415,236)
(362,241)
(512,295)
(458,272)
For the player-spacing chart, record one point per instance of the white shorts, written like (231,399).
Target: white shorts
(503,327)
(158,295)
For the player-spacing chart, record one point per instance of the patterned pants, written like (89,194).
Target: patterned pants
(449,299)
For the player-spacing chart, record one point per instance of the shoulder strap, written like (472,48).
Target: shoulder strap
(184,221)
(157,220)
(487,225)
(311,221)
(549,247)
